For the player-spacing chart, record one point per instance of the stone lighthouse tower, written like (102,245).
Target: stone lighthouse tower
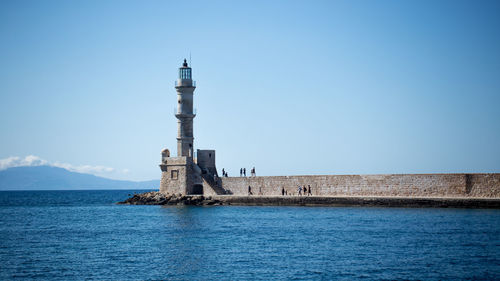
(181,174)
(187,174)
(185,88)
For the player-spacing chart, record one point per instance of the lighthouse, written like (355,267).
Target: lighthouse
(185,87)
(187,174)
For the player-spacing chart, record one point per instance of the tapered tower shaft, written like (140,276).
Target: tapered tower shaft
(185,87)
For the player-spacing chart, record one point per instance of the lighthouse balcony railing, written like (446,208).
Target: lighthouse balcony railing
(185,83)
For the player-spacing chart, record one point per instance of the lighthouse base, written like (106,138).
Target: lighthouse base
(180,175)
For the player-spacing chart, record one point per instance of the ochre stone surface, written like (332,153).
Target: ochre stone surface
(403,185)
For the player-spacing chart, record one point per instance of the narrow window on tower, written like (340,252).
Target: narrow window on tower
(174,174)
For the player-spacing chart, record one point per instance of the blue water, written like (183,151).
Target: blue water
(67,235)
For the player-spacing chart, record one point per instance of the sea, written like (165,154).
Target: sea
(85,235)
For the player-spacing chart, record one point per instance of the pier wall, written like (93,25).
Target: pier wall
(404,185)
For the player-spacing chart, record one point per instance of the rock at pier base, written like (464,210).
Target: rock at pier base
(157,198)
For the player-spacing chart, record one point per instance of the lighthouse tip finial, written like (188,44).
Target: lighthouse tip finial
(185,64)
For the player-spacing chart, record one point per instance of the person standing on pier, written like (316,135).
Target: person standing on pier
(244,172)
(309,192)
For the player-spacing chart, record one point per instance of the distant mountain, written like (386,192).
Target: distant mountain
(53,178)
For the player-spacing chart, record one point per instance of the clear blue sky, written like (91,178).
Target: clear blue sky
(290,87)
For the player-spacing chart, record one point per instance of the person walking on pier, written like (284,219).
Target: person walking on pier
(282,191)
(249,190)
(305,190)
(244,172)
(241,172)
(309,192)
(223,172)
(299,191)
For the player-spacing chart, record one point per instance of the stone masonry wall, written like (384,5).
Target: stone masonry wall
(405,185)
(178,184)
(168,186)
(207,189)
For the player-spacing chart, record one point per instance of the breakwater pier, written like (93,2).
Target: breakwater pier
(392,190)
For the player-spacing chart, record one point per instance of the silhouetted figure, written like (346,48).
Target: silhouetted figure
(223,172)
(305,190)
(282,191)
(241,172)
(244,172)
(299,191)
(309,192)
(249,190)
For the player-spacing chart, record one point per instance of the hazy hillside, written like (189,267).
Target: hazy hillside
(52,178)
